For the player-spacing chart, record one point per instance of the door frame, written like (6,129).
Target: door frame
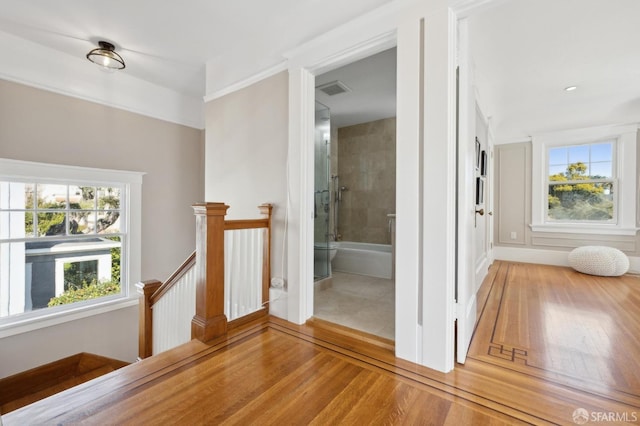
(304,65)
(402,24)
(425,34)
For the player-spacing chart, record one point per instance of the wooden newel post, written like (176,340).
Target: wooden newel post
(145,328)
(209,321)
(266,210)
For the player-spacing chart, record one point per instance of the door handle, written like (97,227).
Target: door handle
(480,212)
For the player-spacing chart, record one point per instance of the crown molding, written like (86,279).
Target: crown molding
(261,75)
(76,77)
(466,8)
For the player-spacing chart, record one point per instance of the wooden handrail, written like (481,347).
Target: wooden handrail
(174,278)
(230,225)
(208,259)
(151,291)
(266,210)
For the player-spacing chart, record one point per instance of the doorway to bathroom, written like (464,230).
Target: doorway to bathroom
(354,195)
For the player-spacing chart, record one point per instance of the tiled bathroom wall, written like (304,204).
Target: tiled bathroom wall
(367,168)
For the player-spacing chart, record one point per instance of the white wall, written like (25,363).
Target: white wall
(112,334)
(37,125)
(246,155)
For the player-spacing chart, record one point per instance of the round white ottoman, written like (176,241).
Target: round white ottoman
(599,260)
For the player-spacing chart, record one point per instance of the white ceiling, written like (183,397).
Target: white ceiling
(168,43)
(372,95)
(525,51)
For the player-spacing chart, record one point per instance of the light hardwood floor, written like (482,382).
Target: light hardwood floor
(555,323)
(270,374)
(274,372)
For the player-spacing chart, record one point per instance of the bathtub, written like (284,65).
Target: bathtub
(364,259)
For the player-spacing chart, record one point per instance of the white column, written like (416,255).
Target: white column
(300,208)
(408,193)
(439,180)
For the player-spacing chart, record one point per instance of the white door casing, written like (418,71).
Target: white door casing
(425,268)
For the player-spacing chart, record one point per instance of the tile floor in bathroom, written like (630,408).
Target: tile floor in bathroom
(358,301)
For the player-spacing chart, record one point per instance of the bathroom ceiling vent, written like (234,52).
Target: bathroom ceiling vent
(333,88)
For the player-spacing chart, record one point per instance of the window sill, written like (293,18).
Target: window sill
(581,228)
(25,325)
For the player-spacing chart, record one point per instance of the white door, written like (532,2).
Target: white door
(483,211)
(471,194)
(473,226)
(465,283)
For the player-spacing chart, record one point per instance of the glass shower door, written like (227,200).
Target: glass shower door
(322,193)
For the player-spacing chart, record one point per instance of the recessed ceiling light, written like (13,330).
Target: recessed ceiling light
(570,88)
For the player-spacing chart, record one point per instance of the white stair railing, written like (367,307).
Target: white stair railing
(173,312)
(168,311)
(243,260)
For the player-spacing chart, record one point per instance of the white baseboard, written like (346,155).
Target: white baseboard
(547,257)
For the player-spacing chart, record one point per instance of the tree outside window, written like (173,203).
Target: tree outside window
(581,183)
(62,242)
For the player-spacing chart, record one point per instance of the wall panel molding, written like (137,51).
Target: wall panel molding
(624,243)
(512,197)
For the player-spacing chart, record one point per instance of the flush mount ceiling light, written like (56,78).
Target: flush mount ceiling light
(106,57)
(570,88)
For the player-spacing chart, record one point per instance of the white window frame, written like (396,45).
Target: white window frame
(131,266)
(625,139)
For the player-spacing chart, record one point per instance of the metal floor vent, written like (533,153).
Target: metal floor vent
(333,88)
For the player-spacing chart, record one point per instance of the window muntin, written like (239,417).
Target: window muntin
(623,175)
(45,225)
(581,183)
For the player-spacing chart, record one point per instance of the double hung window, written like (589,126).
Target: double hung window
(584,181)
(65,238)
